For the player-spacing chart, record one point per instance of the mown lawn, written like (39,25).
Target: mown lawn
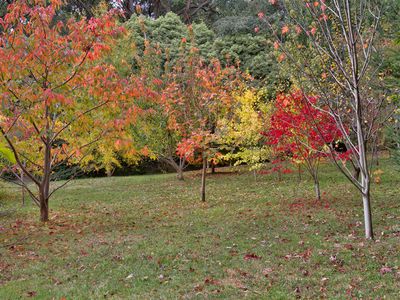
(149,237)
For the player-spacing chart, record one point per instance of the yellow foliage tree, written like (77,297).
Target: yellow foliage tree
(240,131)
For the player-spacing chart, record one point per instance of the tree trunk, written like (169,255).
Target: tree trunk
(356,173)
(22,186)
(317,190)
(181,167)
(376,155)
(177,167)
(356,170)
(366,195)
(109,173)
(361,138)
(316,186)
(44,209)
(129,8)
(179,174)
(369,234)
(44,188)
(212,167)
(299,172)
(364,172)
(203,180)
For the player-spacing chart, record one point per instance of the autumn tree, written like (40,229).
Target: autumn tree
(342,36)
(157,51)
(57,101)
(198,94)
(302,133)
(240,130)
(152,130)
(147,52)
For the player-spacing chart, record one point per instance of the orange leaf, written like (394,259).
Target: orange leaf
(313,30)
(281,57)
(285,29)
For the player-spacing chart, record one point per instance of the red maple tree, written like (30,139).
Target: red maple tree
(300,133)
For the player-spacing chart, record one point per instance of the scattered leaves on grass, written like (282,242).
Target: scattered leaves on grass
(303,255)
(31,294)
(385,269)
(251,256)
(211,281)
(267,271)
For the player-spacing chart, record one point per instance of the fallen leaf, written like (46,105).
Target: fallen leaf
(250,256)
(385,270)
(267,271)
(211,281)
(31,293)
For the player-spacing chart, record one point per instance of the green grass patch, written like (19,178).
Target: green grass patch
(149,237)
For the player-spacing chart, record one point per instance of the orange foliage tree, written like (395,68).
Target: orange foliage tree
(197,96)
(57,98)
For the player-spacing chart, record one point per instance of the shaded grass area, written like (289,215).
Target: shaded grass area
(149,237)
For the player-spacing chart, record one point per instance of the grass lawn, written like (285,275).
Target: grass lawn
(149,237)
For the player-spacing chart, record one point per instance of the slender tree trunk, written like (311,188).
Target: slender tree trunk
(369,234)
(365,176)
(376,155)
(316,186)
(317,190)
(44,188)
(179,174)
(44,191)
(212,167)
(203,179)
(356,170)
(356,173)
(129,8)
(362,152)
(299,172)
(361,139)
(22,187)
(44,209)
(366,195)
(181,167)
(177,167)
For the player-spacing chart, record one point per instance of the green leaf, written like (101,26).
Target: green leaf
(7,154)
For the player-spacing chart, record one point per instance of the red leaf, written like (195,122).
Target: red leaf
(250,256)
(31,293)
